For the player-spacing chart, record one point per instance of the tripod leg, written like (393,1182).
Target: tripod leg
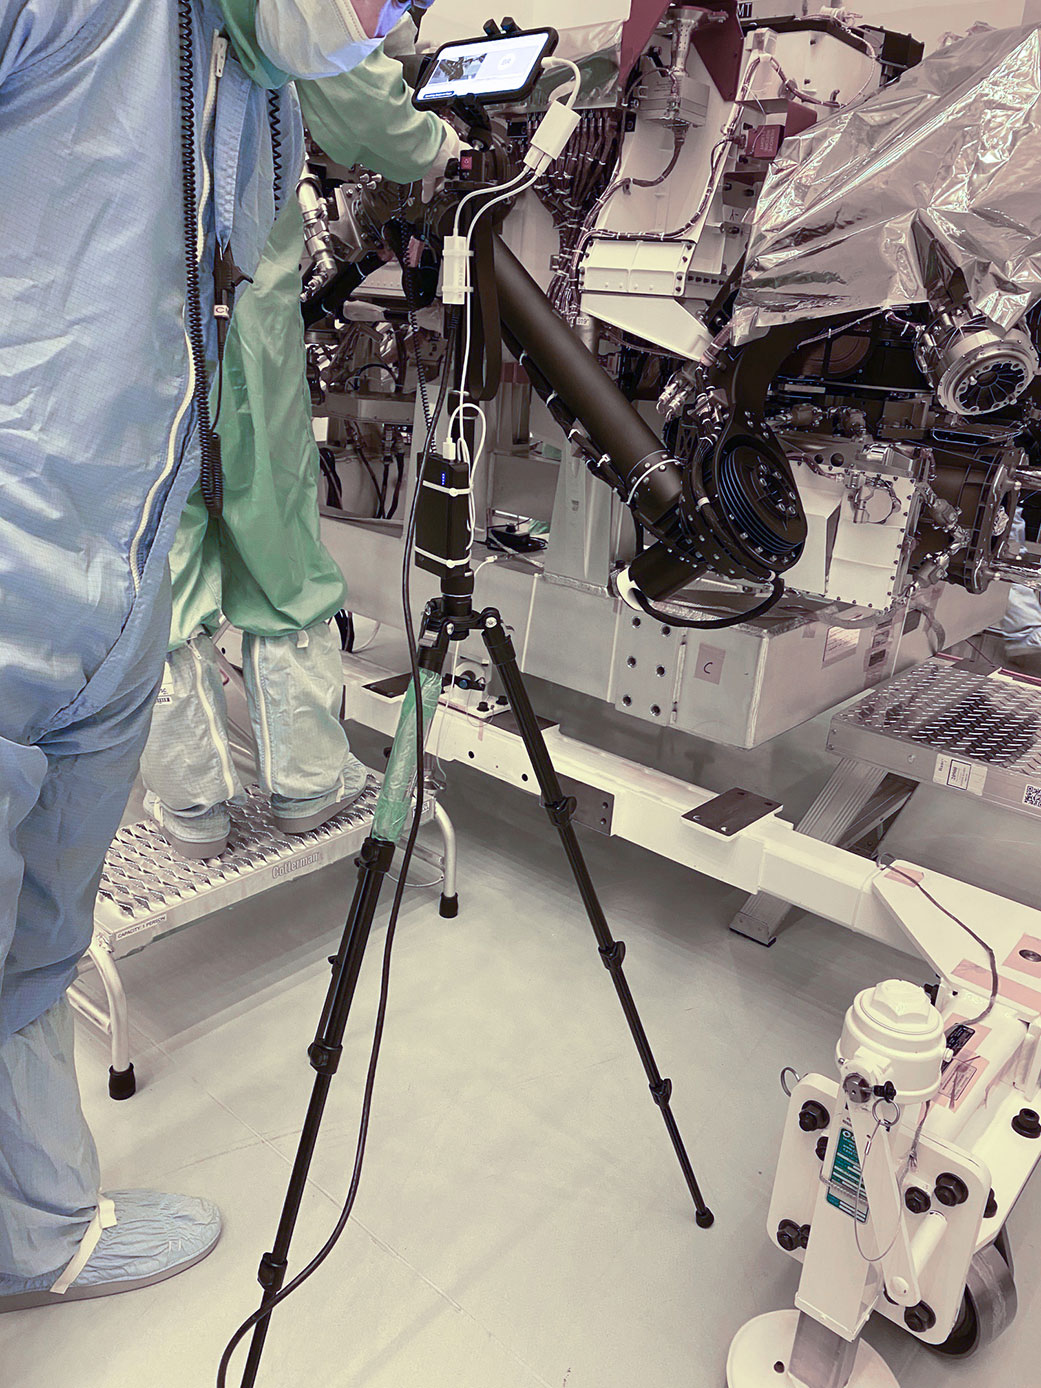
(374,861)
(612,952)
(324,1055)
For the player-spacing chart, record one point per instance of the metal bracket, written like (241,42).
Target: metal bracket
(732,811)
(594,808)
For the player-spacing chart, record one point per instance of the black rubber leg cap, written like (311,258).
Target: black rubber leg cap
(704,1219)
(449,907)
(122,1084)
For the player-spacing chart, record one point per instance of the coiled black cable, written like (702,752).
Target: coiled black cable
(274,120)
(715,623)
(210,475)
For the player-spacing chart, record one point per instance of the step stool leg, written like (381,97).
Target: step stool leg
(449,895)
(121,1080)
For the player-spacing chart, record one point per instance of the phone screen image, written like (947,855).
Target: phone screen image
(483,68)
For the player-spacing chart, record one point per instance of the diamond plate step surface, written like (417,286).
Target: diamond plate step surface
(977,734)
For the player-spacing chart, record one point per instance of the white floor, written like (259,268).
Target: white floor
(522,1222)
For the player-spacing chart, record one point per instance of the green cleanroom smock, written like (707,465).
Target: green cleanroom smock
(262,563)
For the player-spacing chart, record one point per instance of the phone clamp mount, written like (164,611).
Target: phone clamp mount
(460,77)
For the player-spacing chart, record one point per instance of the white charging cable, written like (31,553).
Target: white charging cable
(552,134)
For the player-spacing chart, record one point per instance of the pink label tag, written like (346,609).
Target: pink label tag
(1007,987)
(959,1078)
(965,1069)
(909,876)
(1026,957)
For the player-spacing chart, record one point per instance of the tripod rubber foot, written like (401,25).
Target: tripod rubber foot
(704,1219)
(449,907)
(122,1084)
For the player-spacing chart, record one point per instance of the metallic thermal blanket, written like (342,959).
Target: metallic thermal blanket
(945,160)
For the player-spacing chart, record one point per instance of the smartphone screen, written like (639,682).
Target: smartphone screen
(483,68)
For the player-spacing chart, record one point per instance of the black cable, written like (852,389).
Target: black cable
(421,377)
(274,119)
(886,862)
(408,289)
(668,620)
(372,477)
(334,492)
(345,626)
(377,1040)
(400,459)
(374,366)
(220,392)
(210,475)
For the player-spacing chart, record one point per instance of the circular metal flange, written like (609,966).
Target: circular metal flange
(974,368)
(763,1344)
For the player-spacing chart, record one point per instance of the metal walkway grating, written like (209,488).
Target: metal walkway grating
(147,889)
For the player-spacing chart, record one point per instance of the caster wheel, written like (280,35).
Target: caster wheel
(989,1305)
(122,1084)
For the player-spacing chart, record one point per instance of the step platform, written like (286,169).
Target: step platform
(147,890)
(950,724)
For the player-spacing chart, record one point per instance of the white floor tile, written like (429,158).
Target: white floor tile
(522,1222)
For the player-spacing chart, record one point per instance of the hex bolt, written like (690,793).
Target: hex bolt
(1027,1123)
(917,1200)
(950,1190)
(821,1148)
(992,1205)
(920,1318)
(804,1235)
(789,1235)
(813,1116)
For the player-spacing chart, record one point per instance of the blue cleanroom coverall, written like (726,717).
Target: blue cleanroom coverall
(97,457)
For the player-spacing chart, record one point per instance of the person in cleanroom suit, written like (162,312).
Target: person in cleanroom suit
(97,457)
(262,564)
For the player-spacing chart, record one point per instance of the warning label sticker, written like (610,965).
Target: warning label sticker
(840,642)
(846,1186)
(960,775)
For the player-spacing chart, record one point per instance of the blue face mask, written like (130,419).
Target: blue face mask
(308,39)
(391,15)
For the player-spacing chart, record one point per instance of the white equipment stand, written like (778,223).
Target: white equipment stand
(148,891)
(894,1183)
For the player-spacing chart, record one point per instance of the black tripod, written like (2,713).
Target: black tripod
(451,617)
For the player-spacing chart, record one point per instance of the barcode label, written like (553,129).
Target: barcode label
(1032,797)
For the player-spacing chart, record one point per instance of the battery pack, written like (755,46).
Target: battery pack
(443,536)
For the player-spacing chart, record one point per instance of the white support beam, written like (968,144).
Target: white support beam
(648,809)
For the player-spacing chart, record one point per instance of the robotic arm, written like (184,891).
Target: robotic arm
(733,510)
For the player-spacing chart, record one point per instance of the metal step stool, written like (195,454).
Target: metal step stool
(950,724)
(148,891)
(947,722)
